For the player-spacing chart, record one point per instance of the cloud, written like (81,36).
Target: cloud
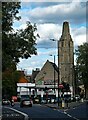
(53,1)
(74,12)
(46,32)
(79,36)
(53,12)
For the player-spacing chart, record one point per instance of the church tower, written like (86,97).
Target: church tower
(66,57)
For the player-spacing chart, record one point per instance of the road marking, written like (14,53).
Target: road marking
(70,115)
(66,109)
(25,115)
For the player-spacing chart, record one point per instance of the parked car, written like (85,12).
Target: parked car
(14,98)
(43,101)
(36,100)
(77,97)
(73,99)
(5,102)
(52,100)
(26,102)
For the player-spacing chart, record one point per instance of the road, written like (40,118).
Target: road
(80,112)
(41,112)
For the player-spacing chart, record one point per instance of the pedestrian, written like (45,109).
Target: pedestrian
(12,102)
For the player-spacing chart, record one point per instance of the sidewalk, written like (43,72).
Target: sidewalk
(65,106)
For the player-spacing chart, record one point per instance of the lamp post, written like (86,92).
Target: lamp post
(54,73)
(58,69)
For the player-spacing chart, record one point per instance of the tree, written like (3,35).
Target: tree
(82,65)
(15,44)
(9,83)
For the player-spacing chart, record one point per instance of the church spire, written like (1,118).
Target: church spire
(65,30)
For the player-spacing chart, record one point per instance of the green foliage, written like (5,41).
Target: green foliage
(82,63)
(9,83)
(15,44)
(9,13)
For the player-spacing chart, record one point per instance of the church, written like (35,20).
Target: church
(66,57)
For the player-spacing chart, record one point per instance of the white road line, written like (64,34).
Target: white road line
(25,115)
(70,115)
(75,118)
(67,114)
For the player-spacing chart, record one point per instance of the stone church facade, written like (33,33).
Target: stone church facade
(66,56)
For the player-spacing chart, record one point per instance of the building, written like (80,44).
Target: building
(66,57)
(48,74)
(47,77)
(34,73)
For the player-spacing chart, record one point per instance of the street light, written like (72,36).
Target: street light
(58,68)
(54,73)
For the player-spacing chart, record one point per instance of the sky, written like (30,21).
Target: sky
(49,17)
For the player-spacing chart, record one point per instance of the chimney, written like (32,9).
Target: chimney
(65,30)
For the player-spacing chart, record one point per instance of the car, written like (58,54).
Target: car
(26,102)
(77,97)
(5,102)
(52,100)
(73,99)
(36,100)
(43,101)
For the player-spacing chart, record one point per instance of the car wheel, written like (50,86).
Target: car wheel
(31,105)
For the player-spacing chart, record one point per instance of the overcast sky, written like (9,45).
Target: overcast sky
(49,18)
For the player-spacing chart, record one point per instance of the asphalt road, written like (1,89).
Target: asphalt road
(41,112)
(80,112)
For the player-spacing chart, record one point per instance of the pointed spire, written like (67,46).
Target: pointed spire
(65,30)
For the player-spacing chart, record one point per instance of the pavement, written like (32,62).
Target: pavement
(64,106)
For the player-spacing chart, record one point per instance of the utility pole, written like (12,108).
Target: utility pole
(54,74)
(58,69)
(58,77)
